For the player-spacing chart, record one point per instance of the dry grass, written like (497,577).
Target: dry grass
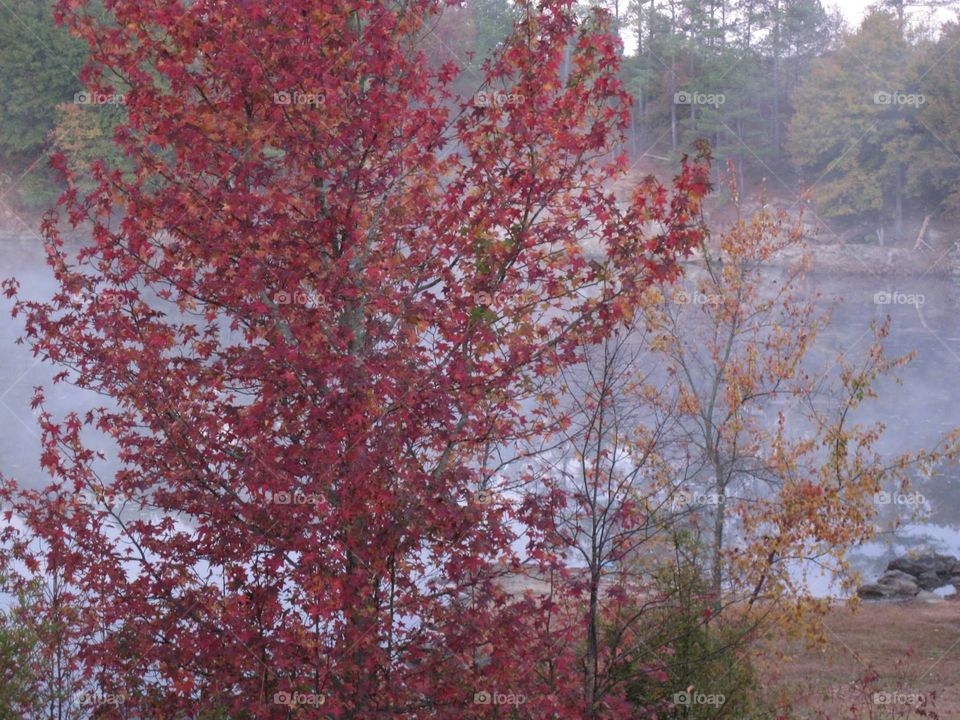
(906,648)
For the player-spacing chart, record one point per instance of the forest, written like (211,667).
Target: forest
(854,122)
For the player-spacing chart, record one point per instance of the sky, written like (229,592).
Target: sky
(855,10)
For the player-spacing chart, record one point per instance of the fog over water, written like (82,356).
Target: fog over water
(20,371)
(917,412)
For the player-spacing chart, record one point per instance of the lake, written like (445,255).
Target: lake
(925,320)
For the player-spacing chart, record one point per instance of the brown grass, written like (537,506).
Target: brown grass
(876,648)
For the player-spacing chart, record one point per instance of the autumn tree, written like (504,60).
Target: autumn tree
(19,654)
(321,287)
(776,459)
(857,123)
(933,172)
(707,460)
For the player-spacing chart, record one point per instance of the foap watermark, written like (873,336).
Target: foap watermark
(489,98)
(96,699)
(90,97)
(484,497)
(898,98)
(110,297)
(487,298)
(299,698)
(498,698)
(690,697)
(685,297)
(81,296)
(689,498)
(690,97)
(885,297)
(298,98)
(310,300)
(106,297)
(104,498)
(912,499)
(895,697)
(295,498)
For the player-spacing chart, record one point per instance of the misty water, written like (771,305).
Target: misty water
(917,412)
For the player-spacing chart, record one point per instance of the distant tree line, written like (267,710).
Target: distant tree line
(785,92)
(782,89)
(44,107)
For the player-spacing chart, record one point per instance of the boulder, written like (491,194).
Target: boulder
(930,580)
(931,571)
(940,565)
(893,584)
(914,577)
(876,591)
(900,581)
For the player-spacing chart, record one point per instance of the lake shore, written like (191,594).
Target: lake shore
(867,260)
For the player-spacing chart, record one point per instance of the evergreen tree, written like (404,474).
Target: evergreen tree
(856,121)
(39,69)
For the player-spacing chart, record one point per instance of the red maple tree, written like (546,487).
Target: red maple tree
(318,289)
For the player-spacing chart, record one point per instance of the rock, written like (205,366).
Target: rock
(914,578)
(900,582)
(876,591)
(931,571)
(893,584)
(938,564)
(930,580)
(873,591)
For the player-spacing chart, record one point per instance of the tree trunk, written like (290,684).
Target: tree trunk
(592,659)
(898,200)
(776,80)
(739,156)
(673,110)
(716,572)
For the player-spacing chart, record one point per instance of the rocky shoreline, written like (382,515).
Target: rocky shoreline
(914,578)
(856,259)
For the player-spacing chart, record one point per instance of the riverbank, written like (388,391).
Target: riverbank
(859,259)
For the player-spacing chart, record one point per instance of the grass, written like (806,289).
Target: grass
(901,651)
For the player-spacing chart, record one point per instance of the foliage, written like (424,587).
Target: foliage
(19,649)
(857,123)
(84,135)
(933,172)
(792,95)
(698,653)
(320,294)
(706,418)
(774,461)
(41,65)
(39,69)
